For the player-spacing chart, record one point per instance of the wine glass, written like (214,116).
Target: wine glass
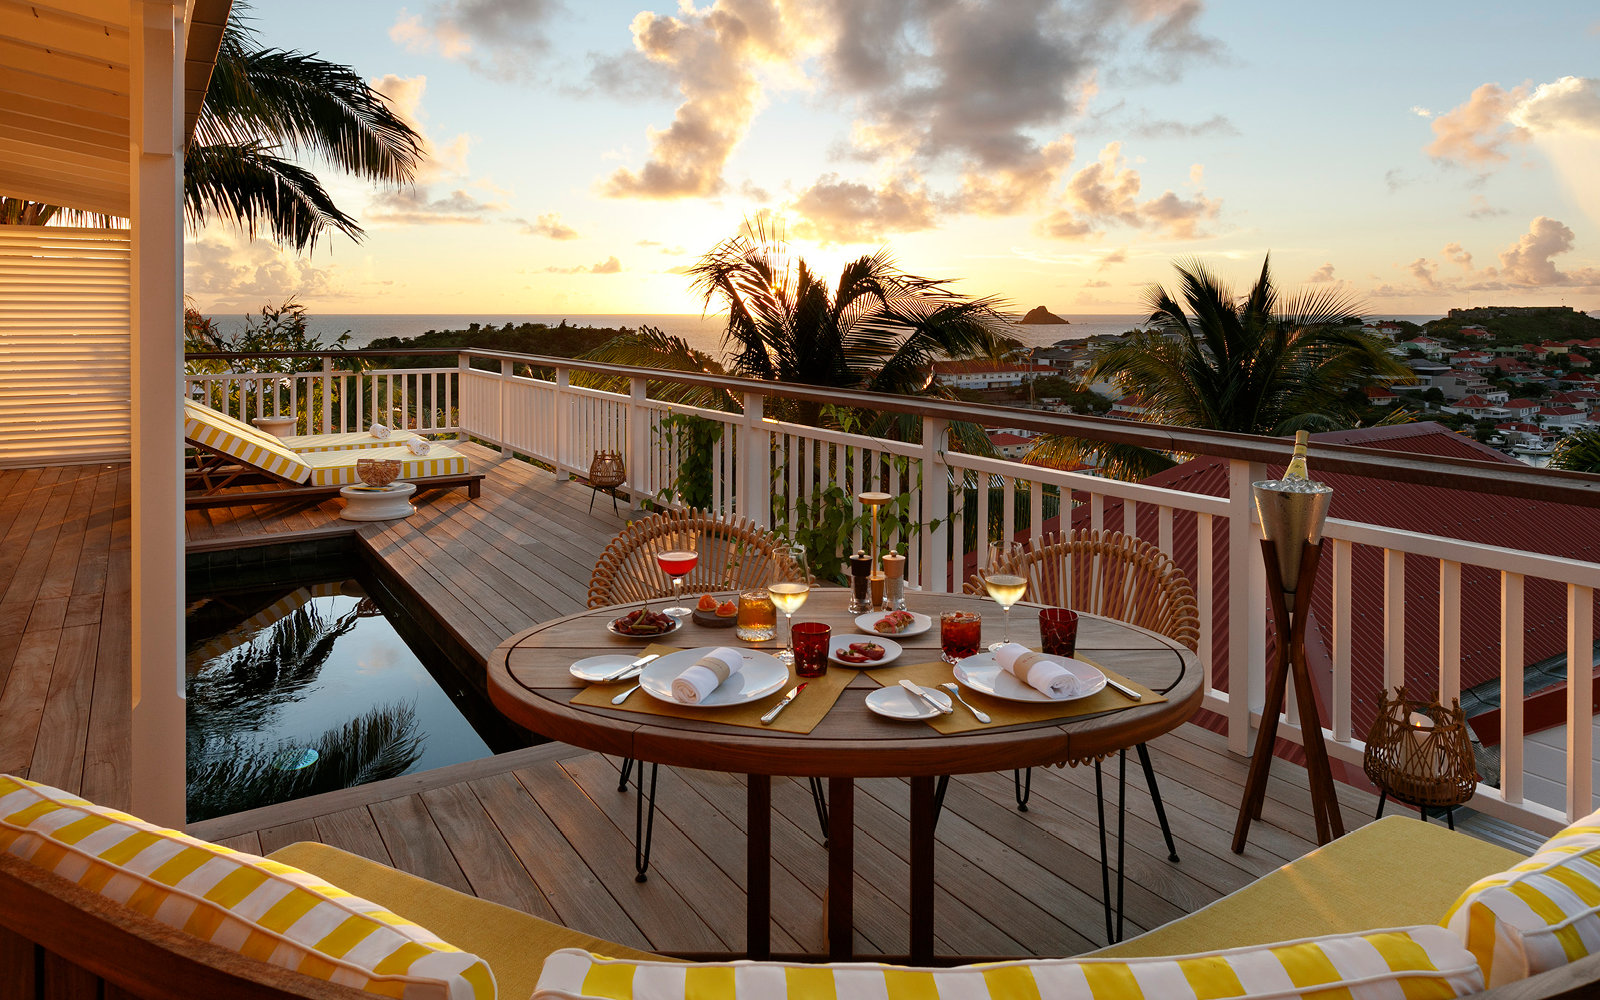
(788,597)
(677,563)
(1005,583)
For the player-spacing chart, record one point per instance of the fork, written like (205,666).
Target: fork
(955,689)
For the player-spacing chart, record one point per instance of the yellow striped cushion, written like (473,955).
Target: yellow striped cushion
(303,443)
(1538,915)
(338,468)
(250,905)
(1405,964)
(205,426)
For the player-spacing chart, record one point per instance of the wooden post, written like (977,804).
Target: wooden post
(156,175)
(1290,660)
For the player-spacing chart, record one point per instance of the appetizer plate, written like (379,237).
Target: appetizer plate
(677,624)
(919,624)
(761,675)
(594,668)
(982,673)
(840,643)
(895,702)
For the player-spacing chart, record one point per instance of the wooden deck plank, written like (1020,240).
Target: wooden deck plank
(491,867)
(355,831)
(22,701)
(415,843)
(58,753)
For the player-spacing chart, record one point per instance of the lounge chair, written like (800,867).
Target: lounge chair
(231,454)
(297,442)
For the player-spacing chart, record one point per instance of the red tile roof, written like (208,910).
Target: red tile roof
(1491,520)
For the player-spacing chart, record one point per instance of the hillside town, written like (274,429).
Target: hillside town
(1511,378)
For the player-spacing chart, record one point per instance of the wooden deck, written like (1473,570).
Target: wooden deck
(545,829)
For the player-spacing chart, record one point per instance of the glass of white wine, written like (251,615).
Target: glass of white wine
(1005,583)
(789,596)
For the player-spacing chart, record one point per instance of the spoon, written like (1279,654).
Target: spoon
(956,690)
(619,699)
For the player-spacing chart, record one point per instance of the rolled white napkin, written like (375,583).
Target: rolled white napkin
(1047,675)
(379,431)
(705,675)
(419,446)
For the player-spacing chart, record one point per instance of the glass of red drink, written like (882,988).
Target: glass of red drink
(677,563)
(810,641)
(959,633)
(1058,631)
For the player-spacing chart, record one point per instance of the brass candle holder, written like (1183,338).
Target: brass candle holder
(1292,510)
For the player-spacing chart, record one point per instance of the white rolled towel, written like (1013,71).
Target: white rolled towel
(705,675)
(419,446)
(1054,677)
(379,431)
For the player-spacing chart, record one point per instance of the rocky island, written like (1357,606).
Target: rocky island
(1040,316)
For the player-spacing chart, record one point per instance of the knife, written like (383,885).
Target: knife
(1130,692)
(616,675)
(766,720)
(925,696)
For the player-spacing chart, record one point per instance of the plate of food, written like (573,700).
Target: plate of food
(643,623)
(714,613)
(894,623)
(851,650)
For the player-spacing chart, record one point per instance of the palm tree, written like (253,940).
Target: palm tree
(1260,364)
(1578,452)
(264,104)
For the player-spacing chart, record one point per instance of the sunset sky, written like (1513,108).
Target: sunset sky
(583,152)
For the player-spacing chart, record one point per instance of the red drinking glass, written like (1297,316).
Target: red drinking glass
(810,640)
(959,634)
(1058,631)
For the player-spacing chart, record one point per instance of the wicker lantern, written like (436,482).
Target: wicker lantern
(1420,753)
(606,472)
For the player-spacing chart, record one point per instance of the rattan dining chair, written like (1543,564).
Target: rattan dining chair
(735,555)
(1129,579)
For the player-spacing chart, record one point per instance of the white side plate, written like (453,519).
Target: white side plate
(898,703)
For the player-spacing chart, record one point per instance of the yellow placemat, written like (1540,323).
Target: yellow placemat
(801,716)
(1004,712)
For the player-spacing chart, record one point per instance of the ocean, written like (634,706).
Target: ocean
(701,332)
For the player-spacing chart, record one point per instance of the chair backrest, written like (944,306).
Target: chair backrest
(216,431)
(1110,574)
(734,555)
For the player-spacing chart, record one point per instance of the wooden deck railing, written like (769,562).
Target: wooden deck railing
(528,405)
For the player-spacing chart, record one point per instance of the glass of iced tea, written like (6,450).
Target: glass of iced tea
(810,641)
(959,633)
(758,618)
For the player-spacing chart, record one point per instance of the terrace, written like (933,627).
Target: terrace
(92,578)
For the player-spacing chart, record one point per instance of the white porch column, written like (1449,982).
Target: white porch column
(156,165)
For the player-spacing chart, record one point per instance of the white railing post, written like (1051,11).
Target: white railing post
(463,379)
(638,447)
(755,459)
(562,425)
(1511,687)
(327,398)
(936,570)
(1247,623)
(1580,701)
(505,401)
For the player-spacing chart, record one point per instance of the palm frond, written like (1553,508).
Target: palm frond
(651,348)
(1118,461)
(250,187)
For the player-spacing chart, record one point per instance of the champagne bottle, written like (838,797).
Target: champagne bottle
(1297,462)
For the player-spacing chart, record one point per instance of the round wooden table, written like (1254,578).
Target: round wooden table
(530,683)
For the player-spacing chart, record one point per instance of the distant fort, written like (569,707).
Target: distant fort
(1493,312)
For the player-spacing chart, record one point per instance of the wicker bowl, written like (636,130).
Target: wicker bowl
(377,472)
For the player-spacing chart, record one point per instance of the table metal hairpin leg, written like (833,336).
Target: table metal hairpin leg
(1022,779)
(644,825)
(938,797)
(627,768)
(819,799)
(1155,797)
(1113,930)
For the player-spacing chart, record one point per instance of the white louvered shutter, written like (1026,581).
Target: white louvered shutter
(64,345)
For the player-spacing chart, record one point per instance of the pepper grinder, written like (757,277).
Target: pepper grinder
(860,583)
(894,582)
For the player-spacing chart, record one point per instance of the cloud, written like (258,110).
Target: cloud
(1396,179)
(439,160)
(1481,209)
(233,274)
(611,265)
(1321,275)
(502,38)
(1168,129)
(1096,283)
(1459,256)
(1424,270)
(413,207)
(1119,256)
(1106,192)
(549,225)
(1569,105)
(1420,111)
(1475,133)
(715,52)
(839,211)
(441,163)
(1529,260)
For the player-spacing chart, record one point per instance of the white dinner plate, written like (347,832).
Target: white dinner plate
(761,675)
(595,668)
(895,702)
(677,624)
(919,624)
(891,650)
(982,673)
